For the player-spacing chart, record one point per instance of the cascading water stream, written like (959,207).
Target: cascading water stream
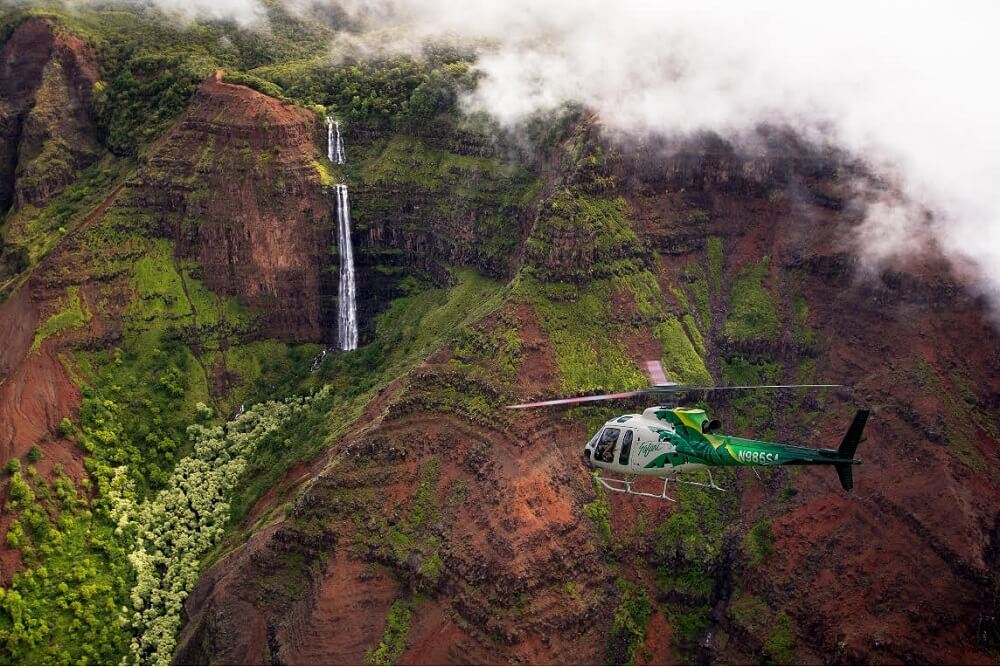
(334,144)
(347,318)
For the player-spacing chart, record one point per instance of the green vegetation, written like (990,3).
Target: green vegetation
(410,541)
(147,92)
(680,356)
(599,511)
(750,612)
(688,552)
(498,346)
(396,89)
(393,643)
(180,524)
(753,615)
(255,82)
(34,454)
(628,631)
(805,336)
(759,542)
(687,582)
(715,263)
(959,401)
(467,195)
(65,605)
(694,531)
(754,412)
(752,312)
(72,315)
(691,327)
(780,644)
(579,325)
(597,228)
(689,625)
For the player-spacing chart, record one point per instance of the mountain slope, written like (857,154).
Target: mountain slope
(836,577)
(381,505)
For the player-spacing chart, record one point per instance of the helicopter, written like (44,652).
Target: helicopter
(667,441)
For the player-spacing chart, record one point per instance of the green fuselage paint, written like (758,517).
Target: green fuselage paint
(662,442)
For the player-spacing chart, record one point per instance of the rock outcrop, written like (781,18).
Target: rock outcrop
(237,184)
(47,128)
(902,570)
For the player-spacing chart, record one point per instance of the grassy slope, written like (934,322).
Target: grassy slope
(141,394)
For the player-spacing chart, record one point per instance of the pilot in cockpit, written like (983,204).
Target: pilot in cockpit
(605,450)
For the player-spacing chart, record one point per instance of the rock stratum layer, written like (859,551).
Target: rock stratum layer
(416,520)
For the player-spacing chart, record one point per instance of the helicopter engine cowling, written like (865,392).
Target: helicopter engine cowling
(710,425)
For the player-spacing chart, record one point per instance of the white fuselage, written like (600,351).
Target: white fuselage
(632,445)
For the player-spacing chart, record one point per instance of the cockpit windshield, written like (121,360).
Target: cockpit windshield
(605,450)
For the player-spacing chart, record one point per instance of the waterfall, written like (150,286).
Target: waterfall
(334,144)
(347,317)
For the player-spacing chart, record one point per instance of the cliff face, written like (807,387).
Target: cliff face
(237,184)
(851,572)
(480,517)
(752,272)
(47,130)
(429,198)
(433,525)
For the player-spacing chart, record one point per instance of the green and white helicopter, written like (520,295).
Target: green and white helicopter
(665,442)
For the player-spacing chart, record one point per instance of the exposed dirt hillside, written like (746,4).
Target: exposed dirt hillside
(410,518)
(488,534)
(235,185)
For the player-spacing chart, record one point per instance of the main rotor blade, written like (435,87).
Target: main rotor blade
(683,387)
(581,399)
(671,389)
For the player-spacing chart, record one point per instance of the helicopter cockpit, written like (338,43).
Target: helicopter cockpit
(604,445)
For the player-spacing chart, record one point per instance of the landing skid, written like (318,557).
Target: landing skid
(625,486)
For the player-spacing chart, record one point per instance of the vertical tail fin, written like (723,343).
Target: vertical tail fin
(848,447)
(853,436)
(845,472)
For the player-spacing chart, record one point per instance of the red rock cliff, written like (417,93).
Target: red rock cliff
(47,130)
(236,184)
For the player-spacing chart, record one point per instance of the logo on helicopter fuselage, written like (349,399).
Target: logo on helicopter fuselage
(647,448)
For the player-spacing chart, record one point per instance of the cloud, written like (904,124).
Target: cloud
(910,87)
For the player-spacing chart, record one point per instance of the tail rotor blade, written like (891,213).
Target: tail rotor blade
(657,376)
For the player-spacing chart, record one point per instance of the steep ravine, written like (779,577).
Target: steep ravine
(866,577)
(409,518)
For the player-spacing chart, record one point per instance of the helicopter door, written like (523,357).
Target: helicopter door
(626,449)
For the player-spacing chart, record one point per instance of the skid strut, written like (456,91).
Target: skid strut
(625,485)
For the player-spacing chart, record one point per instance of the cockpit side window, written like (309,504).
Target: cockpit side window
(606,446)
(626,449)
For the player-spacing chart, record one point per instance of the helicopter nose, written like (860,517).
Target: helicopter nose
(587,461)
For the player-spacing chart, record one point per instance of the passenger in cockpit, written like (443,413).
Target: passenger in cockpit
(606,446)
